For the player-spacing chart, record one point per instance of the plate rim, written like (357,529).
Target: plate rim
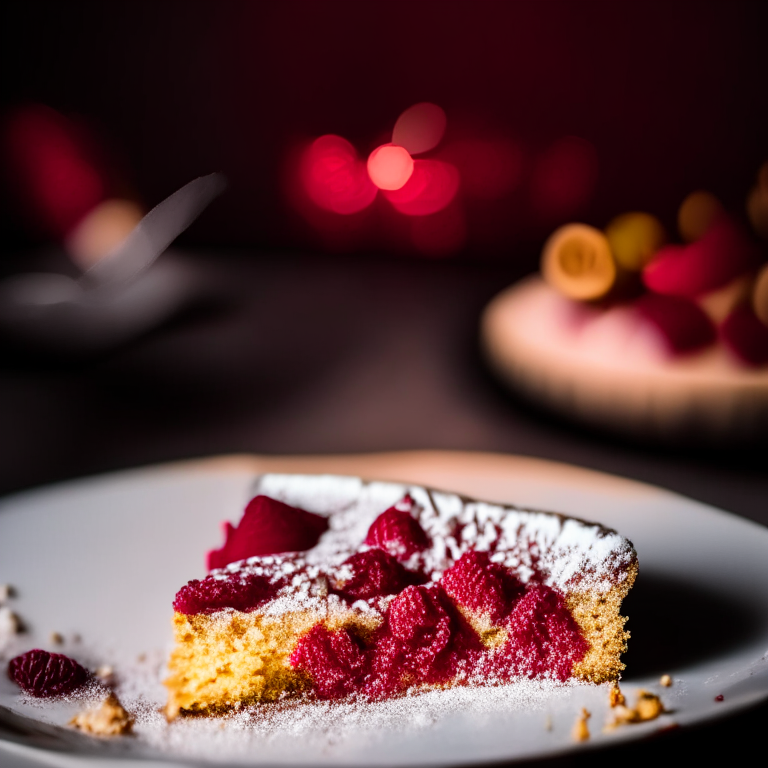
(255,464)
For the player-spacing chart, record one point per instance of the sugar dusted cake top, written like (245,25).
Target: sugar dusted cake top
(561,552)
(566,554)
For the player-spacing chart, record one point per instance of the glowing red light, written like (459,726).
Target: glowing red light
(431,188)
(56,179)
(390,166)
(420,128)
(564,178)
(334,177)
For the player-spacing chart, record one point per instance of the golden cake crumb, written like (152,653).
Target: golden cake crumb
(10,623)
(108,719)
(106,674)
(580,730)
(616,697)
(57,638)
(648,707)
(666,681)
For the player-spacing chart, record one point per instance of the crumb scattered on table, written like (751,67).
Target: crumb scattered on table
(616,697)
(108,719)
(580,730)
(6,593)
(666,681)
(57,638)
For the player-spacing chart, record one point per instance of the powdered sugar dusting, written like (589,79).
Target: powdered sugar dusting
(289,731)
(566,554)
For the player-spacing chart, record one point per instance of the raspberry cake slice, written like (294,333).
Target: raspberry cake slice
(333,588)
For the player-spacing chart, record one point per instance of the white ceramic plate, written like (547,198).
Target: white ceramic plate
(102,558)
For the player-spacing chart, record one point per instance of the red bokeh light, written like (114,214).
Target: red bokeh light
(334,177)
(390,166)
(420,128)
(56,179)
(564,178)
(431,188)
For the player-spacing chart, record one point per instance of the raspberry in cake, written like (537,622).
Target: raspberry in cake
(392,589)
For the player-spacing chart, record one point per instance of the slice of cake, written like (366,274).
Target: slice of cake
(388,589)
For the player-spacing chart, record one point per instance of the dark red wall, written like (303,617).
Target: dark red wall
(672,95)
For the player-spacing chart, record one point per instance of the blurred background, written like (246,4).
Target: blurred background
(318,313)
(315,307)
(555,110)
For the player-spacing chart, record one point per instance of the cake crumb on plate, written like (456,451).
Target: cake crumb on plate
(107,719)
(580,729)
(648,707)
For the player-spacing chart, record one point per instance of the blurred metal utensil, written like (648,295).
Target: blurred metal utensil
(156,231)
(118,297)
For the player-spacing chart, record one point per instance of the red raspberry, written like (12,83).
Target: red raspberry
(374,573)
(211,594)
(396,531)
(544,637)
(683,323)
(745,335)
(423,641)
(45,674)
(268,527)
(389,666)
(723,253)
(480,585)
(333,660)
(417,618)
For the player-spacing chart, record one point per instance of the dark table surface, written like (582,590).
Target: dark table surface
(307,354)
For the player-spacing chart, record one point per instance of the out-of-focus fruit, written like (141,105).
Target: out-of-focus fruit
(683,324)
(577,262)
(718,304)
(634,238)
(722,254)
(757,203)
(746,336)
(760,296)
(698,212)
